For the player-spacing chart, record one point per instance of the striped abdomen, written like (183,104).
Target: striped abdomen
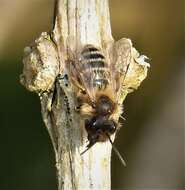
(94,65)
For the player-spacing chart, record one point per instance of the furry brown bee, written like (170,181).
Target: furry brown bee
(98,85)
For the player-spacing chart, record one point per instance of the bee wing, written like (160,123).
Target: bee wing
(80,72)
(128,66)
(119,55)
(93,71)
(82,80)
(86,77)
(123,56)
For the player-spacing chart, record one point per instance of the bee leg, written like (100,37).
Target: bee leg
(84,109)
(77,108)
(78,85)
(92,142)
(88,147)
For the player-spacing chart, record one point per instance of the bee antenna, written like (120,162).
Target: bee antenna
(116,151)
(88,147)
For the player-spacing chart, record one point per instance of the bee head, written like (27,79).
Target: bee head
(100,125)
(104,106)
(99,128)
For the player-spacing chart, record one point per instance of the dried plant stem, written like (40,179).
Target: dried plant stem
(85,22)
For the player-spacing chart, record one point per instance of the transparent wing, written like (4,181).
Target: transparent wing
(95,72)
(82,80)
(86,77)
(120,56)
(129,68)
(81,71)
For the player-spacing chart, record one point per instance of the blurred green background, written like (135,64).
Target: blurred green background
(152,139)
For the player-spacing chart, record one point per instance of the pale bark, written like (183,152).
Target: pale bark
(82,22)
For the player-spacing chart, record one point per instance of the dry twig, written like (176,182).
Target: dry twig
(88,22)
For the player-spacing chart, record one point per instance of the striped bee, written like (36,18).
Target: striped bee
(98,81)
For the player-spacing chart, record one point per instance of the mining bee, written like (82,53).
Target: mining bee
(99,82)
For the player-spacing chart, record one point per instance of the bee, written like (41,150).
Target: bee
(99,83)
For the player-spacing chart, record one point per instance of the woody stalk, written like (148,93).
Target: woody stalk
(88,22)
